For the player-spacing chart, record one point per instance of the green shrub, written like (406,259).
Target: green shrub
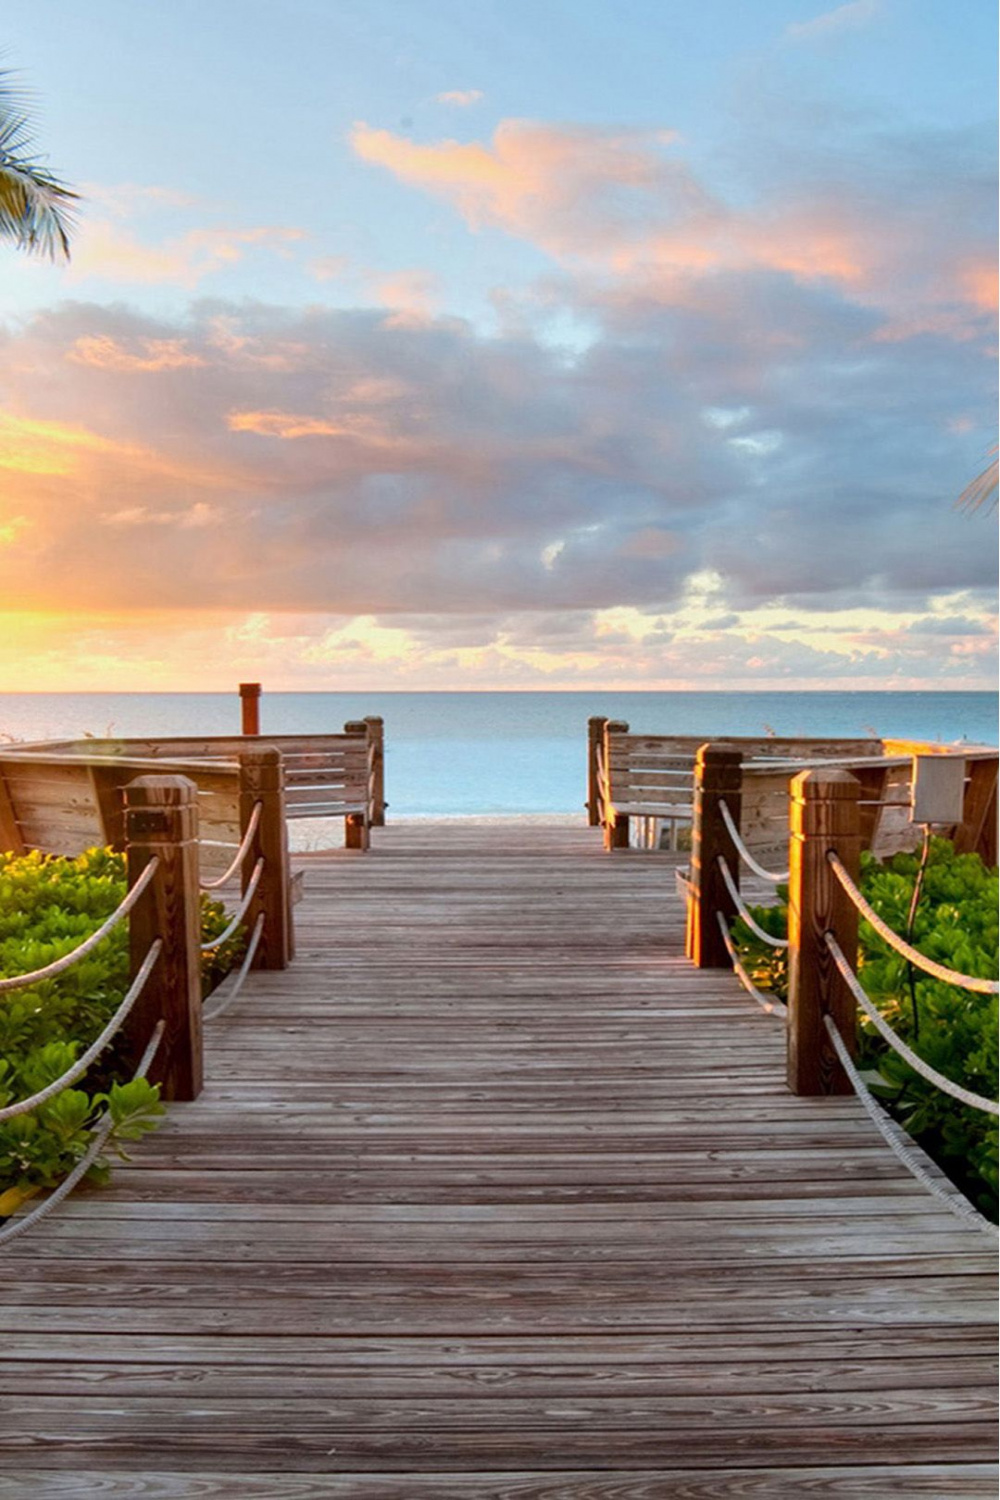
(48,905)
(953,1029)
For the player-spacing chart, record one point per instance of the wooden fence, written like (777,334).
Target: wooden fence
(637,782)
(830,815)
(64,796)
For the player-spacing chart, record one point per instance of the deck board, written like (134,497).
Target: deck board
(491,1194)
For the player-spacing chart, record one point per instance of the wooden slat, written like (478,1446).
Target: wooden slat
(492,1195)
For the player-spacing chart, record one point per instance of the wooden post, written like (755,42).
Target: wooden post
(977,832)
(108,783)
(250,707)
(262,780)
(824,815)
(616,835)
(161,819)
(356,825)
(718,777)
(595,736)
(376,737)
(11,839)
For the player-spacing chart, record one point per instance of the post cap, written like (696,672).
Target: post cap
(258,754)
(718,750)
(825,783)
(163,791)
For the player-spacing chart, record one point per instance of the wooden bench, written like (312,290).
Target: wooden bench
(64,796)
(650,779)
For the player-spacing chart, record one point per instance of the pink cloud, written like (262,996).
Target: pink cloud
(110,250)
(623,206)
(156,354)
(460,98)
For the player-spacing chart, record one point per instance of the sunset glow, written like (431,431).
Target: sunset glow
(659,360)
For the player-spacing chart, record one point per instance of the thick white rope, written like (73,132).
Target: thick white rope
(965,1096)
(768,1003)
(240,911)
(83,1166)
(744,911)
(929,966)
(905,1150)
(241,853)
(777,877)
(97,1046)
(60,965)
(230,995)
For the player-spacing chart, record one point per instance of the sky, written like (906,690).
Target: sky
(538,344)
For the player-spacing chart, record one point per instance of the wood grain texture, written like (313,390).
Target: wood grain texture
(491,1194)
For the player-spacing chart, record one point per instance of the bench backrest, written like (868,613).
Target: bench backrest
(66,796)
(656,773)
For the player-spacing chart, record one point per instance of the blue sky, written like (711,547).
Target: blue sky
(530,344)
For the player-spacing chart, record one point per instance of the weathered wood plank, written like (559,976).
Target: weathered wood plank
(491,1194)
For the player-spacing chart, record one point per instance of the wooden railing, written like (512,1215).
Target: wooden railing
(829,816)
(636,782)
(160,1022)
(64,796)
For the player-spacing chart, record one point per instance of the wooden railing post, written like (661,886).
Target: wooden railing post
(376,737)
(616,835)
(824,815)
(595,735)
(161,820)
(356,827)
(262,780)
(718,777)
(250,707)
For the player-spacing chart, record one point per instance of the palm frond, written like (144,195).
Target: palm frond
(983,489)
(36,209)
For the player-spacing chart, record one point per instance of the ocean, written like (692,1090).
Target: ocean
(469,753)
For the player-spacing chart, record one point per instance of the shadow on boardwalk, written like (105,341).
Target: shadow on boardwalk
(491,1194)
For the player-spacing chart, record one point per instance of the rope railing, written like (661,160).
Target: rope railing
(103,1129)
(776,877)
(768,1003)
(78,1068)
(60,965)
(902,1147)
(211,1012)
(916,1062)
(239,913)
(241,852)
(913,955)
(744,910)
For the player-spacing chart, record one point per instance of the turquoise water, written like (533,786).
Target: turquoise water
(480,753)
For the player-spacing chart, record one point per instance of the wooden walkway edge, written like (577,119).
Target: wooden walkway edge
(493,1195)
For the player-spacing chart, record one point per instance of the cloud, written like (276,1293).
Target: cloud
(413,293)
(748,452)
(461,98)
(907,231)
(329,267)
(151,354)
(850,17)
(572,189)
(110,249)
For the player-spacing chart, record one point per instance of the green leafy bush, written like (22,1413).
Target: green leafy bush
(48,906)
(953,1029)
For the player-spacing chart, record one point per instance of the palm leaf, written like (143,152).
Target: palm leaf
(983,489)
(36,209)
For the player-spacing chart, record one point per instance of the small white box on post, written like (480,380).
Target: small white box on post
(938,789)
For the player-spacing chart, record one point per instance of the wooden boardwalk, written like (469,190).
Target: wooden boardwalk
(491,1194)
